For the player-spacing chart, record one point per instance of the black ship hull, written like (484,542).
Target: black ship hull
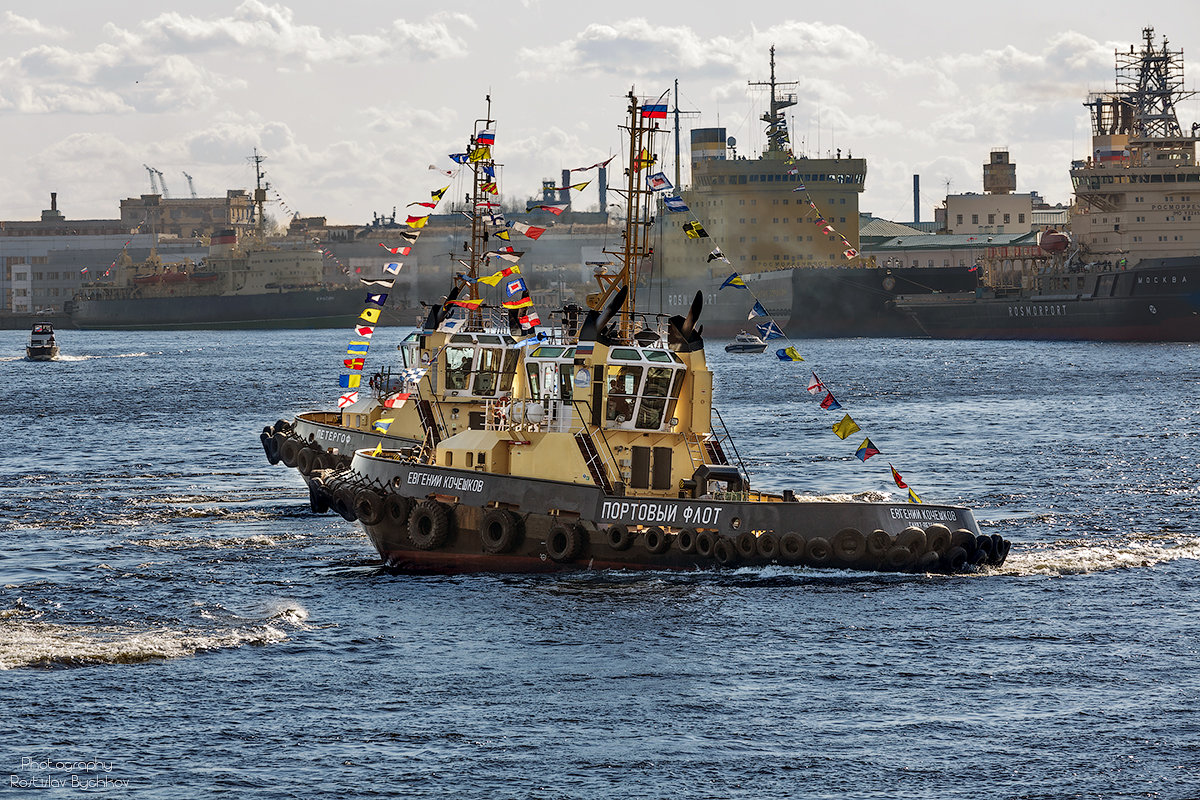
(297,308)
(860,301)
(1158,301)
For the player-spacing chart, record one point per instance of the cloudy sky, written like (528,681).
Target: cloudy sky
(351,101)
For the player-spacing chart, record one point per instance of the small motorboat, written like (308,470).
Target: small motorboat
(42,346)
(746,343)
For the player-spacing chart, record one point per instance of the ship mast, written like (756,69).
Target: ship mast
(778,143)
(260,193)
(479,234)
(635,248)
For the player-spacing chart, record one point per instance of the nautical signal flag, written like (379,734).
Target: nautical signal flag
(423,204)
(349,381)
(555,208)
(532,231)
(529,319)
(695,230)
(758,311)
(413,374)
(658,182)
(417,222)
(514,287)
(815,386)
(392,267)
(370,315)
(825,227)
(524,302)
(789,354)
(866,450)
(348,399)
(734,280)
(365,330)
(378,449)
(845,427)
(769,330)
(358,348)
(395,400)
(912,497)
(354,363)
(717,254)
(644,159)
(896,477)
(382,425)
(458,158)
(376,299)
(603,163)
(436,194)
(495,278)
(850,252)
(486,137)
(472,304)
(480,153)
(402,250)
(380,284)
(829,404)
(674,203)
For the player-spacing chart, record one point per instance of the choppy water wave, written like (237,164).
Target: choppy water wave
(26,641)
(1076,557)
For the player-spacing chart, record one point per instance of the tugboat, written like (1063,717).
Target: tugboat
(603,455)
(746,343)
(42,346)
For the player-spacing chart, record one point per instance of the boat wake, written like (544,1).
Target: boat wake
(1079,557)
(26,641)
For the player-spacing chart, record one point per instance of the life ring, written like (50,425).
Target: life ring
(686,540)
(818,552)
(704,543)
(619,537)
(343,503)
(288,451)
(791,547)
(889,283)
(396,509)
(724,552)
(898,557)
(368,506)
(267,437)
(878,543)
(746,544)
(656,540)
(937,538)
(318,498)
(768,546)
(955,559)
(429,525)
(565,542)
(499,530)
(912,538)
(304,461)
(849,545)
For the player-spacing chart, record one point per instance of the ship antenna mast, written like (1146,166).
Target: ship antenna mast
(479,234)
(779,146)
(260,192)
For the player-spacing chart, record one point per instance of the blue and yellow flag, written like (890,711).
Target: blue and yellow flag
(382,425)
(734,280)
(790,354)
(866,450)
(358,348)
(349,381)
(845,427)
(912,497)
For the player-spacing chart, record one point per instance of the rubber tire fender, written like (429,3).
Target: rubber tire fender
(705,541)
(318,498)
(878,543)
(396,509)
(913,539)
(565,543)
(724,551)
(267,437)
(937,539)
(368,506)
(984,542)
(963,538)
(288,450)
(429,525)
(818,552)
(791,548)
(619,537)
(499,531)
(304,461)
(656,540)
(849,545)
(343,503)
(954,559)
(899,557)
(686,540)
(746,544)
(768,546)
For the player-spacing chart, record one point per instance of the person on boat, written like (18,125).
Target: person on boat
(619,407)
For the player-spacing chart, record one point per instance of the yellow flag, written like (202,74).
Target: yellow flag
(845,427)
(912,497)
(480,153)
(378,449)
(579,186)
(370,314)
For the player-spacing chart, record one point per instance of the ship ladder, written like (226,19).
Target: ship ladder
(716,454)
(429,423)
(591,457)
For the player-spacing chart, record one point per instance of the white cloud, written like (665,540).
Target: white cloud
(24,26)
